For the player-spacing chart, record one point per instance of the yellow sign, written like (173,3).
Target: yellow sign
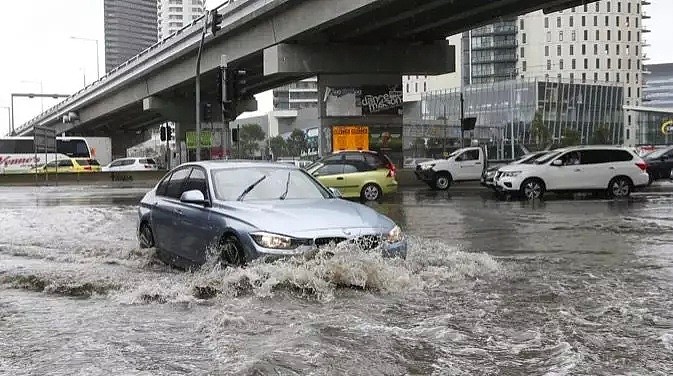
(667,127)
(350,137)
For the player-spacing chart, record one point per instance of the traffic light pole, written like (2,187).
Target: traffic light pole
(226,133)
(198,89)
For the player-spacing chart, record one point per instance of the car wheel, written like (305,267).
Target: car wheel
(532,189)
(371,192)
(145,236)
(443,181)
(620,187)
(231,252)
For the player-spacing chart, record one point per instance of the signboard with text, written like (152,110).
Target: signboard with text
(363,101)
(206,139)
(350,137)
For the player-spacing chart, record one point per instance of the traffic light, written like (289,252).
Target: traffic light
(234,135)
(236,81)
(162,133)
(207,112)
(215,20)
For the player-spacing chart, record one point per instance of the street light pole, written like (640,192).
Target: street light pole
(97,53)
(511,105)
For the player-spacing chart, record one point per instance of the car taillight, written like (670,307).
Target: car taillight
(88,168)
(642,165)
(392,171)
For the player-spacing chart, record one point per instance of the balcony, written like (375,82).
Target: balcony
(494,30)
(494,59)
(495,45)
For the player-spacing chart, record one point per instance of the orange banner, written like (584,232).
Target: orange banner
(350,137)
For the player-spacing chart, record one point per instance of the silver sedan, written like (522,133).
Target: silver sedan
(246,210)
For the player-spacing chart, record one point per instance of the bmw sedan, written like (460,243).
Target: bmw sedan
(245,210)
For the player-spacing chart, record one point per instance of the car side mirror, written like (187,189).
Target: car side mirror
(193,197)
(335,192)
(557,163)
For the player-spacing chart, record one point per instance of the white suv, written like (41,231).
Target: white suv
(614,169)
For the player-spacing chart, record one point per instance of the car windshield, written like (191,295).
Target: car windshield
(230,184)
(531,158)
(657,153)
(548,157)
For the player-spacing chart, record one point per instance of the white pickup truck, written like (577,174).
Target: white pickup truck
(462,165)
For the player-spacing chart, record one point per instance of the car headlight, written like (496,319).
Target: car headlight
(274,241)
(427,166)
(395,235)
(510,174)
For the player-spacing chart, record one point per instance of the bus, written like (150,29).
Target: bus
(17,154)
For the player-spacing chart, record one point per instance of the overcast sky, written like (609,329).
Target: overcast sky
(36,46)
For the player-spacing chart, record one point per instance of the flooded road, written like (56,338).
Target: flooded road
(575,286)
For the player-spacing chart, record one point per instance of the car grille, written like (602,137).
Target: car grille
(321,242)
(366,242)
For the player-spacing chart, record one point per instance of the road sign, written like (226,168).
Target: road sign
(44,139)
(206,139)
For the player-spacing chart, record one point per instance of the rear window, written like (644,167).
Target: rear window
(605,156)
(376,161)
(87,162)
(147,161)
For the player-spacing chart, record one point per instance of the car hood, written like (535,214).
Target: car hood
(431,163)
(521,167)
(300,217)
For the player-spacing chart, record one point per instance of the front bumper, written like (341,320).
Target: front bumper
(426,175)
(507,184)
(388,250)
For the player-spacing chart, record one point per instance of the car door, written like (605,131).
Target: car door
(65,165)
(469,165)
(166,212)
(356,172)
(565,175)
(596,169)
(197,230)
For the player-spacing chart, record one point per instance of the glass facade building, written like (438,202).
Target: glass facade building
(130,27)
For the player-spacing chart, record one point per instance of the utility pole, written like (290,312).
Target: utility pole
(511,105)
(462,119)
(446,125)
(226,134)
(198,89)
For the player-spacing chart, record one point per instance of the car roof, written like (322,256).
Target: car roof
(355,151)
(232,163)
(598,147)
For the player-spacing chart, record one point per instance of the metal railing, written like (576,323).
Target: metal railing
(192,30)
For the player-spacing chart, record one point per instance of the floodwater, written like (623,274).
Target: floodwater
(575,286)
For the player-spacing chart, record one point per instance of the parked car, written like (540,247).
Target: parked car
(366,175)
(461,165)
(488,174)
(612,169)
(131,164)
(247,210)
(70,165)
(659,163)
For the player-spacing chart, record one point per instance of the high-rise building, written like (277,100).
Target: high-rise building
(172,15)
(658,90)
(593,43)
(297,95)
(489,53)
(130,27)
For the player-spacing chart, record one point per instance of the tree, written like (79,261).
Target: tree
(297,144)
(540,131)
(249,138)
(278,146)
(602,136)
(570,137)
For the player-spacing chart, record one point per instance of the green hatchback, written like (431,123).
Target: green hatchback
(357,174)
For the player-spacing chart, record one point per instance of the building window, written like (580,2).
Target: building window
(619,63)
(596,21)
(522,53)
(558,21)
(598,63)
(407,88)
(558,50)
(571,21)
(586,34)
(608,7)
(607,20)
(617,50)
(628,131)
(425,86)
(628,78)
(548,65)
(607,49)
(560,64)
(617,76)
(584,77)
(573,64)
(584,20)
(637,36)
(573,35)
(572,50)
(617,19)
(595,49)
(628,36)
(608,36)
(628,91)
(523,66)
(546,50)
(637,8)
(638,92)
(546,22)
(584,49)
(598,8)
(609,63)
(521,23)
(636,77)
(619,6)
(629,64)
(585,7)
(416,87)
(638,64)
(586,63)
(572,77)
(619,35)
(598,35)
(549,36)
(596,77)
(560,36)
(636,50)
(523,38)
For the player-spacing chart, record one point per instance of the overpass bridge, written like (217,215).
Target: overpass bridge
(276,42)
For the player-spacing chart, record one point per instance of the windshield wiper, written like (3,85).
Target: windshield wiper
(250,188)
(287,187)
